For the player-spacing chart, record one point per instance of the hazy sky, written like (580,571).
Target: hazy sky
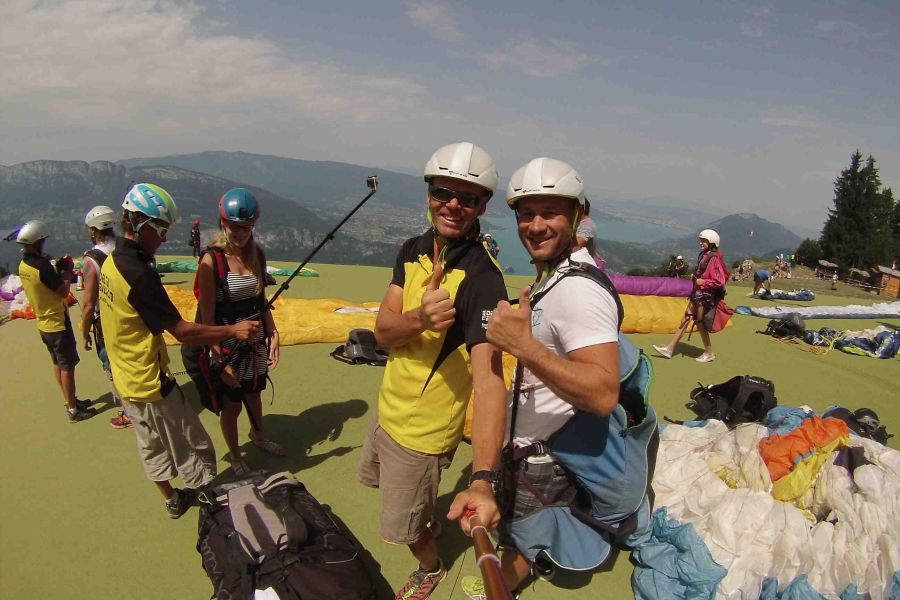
(740,106)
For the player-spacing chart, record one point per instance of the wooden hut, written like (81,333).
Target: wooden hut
(887,281)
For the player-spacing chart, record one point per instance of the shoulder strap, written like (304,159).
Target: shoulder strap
(97,255)
(591,272)
(577,269)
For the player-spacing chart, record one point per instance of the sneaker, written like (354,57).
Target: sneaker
(122,421)
(180,502)
(421,583)
(84,404)
(704,358)
(80,414)
(240,468)
(663,351)
(473,587)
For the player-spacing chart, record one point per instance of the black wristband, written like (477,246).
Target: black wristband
(491,477)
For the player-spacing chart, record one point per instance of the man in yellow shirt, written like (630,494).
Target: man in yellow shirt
(47,288)
(434,317)
(134,311)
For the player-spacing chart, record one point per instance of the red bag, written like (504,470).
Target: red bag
(718,319)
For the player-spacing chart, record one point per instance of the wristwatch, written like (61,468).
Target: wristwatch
(491,477)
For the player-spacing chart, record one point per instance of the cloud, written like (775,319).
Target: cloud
(154,65)
(751,30)
(790,118)
(436,19)
(846,31)
(550,58)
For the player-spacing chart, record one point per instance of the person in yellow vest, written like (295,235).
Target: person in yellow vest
(433,318)
(134,311)
(47,288)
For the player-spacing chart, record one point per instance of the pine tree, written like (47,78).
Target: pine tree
(858,232)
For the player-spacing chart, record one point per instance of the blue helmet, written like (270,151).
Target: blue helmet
(238,204)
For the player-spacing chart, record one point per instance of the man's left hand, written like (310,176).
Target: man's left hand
(478,499)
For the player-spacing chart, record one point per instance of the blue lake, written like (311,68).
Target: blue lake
(512,254)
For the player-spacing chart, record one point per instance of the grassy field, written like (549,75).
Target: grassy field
(81,521)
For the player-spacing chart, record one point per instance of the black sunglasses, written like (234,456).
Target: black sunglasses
(465,199)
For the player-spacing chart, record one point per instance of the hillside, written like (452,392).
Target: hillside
(743,235)
(60,193)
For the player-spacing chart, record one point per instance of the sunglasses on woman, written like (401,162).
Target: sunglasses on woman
(465,199)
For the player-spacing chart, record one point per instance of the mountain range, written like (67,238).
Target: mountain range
(302,200)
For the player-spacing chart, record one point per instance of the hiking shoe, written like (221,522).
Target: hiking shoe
(704,358)
(421,583)
(84,404)
(663,351)
(80,414)
(180,502)
(122,421)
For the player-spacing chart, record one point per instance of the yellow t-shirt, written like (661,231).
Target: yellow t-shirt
(428,381)
(40,282)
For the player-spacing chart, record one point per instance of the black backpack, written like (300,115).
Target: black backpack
(741,399)
(267,531)
(790,325)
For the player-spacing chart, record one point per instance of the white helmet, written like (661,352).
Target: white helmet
(679,257)
(100,217)
(465,161)
(32,232)
(710,236)
(545,177)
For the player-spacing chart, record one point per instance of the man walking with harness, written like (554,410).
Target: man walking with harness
(134,312)
(566,348)
(434,318)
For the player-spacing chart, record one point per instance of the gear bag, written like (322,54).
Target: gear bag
(741,399)
(790,325)
(610,460)
(267,532)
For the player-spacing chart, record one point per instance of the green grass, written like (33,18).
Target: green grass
(81,521)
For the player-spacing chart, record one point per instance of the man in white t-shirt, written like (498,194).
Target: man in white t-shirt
(567,344)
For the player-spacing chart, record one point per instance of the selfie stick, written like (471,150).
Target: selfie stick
(372,182)
(488,561)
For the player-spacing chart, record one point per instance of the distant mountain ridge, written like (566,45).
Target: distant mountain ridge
(60,193)
(302,200)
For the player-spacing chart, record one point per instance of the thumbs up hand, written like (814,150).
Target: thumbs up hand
(510,329)
(437,312)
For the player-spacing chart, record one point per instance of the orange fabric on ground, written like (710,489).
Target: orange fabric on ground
(780,451)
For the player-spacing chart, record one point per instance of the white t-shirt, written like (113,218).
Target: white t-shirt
(575,314)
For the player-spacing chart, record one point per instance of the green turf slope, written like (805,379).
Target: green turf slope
(79,519)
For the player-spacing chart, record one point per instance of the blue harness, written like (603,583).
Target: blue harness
(611,460)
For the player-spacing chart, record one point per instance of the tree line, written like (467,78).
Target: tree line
(863,228)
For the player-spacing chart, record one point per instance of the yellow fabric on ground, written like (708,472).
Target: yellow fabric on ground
(309,321)
(298,321)
(792,486)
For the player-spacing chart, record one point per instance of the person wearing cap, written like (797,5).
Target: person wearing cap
(567,349)
(99,222)
(239,296)
(47,288)
(434,318)
(195,238)
(135,310)
(709,280)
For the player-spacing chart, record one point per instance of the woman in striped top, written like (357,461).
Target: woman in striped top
(238,297)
